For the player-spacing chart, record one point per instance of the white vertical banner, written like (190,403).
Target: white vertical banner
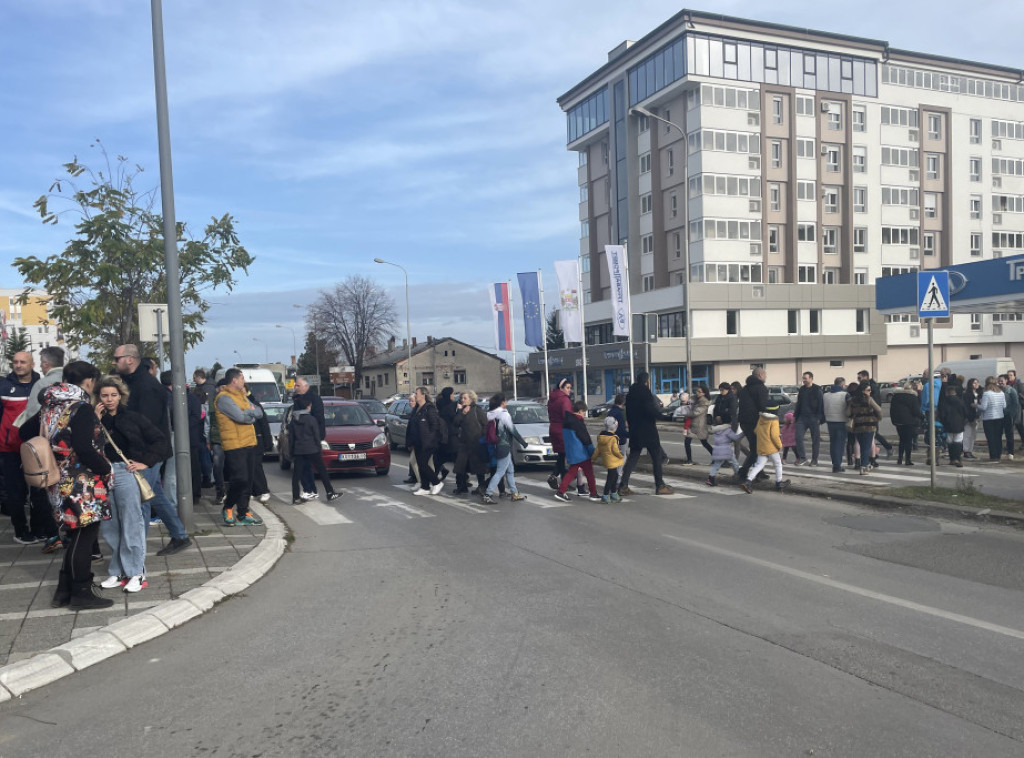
(568,275)
(618,276)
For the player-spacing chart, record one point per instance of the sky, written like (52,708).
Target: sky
(334,131)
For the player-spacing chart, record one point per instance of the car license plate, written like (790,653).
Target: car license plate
(547,451)
(352,457)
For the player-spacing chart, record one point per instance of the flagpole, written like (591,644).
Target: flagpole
(512,327)
(583,326)
(629,310)
(544,332)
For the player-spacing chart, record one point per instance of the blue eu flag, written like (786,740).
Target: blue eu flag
(529,288)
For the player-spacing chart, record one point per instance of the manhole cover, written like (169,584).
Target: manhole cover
(896,524)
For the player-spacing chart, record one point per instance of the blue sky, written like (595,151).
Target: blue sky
(425,133)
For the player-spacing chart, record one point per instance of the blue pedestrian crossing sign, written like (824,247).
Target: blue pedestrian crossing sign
(932,294)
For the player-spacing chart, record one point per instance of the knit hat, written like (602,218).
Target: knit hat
(610,424)
(772,409)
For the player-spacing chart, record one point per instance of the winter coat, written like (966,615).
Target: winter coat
(13,398)
(622,430)
(506,432)
(264,437)
(578,445)
(767,431)
(787,430)
(196,436)
(447,410)
(753,399)
(992,405)
(905,408)
(138,438)
(724,437)
(865,413)
(1012,409)
(303,433)
(235,419)
(642,413)
(432,433)
(699,423)
(558,404)
(834,404)
(608,453)
(726,407)
(150,398)
(412,428)
(470,427)
(79,498)
(952,414)
(810,405)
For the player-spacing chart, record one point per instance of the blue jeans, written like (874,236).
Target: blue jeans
(804,425)
(507,470)
(717,464)
(161,507)
(125,530)
(837,443)
(866,440)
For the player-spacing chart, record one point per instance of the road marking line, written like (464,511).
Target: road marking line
(853,589)
(321,514)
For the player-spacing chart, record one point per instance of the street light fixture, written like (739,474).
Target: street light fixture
(408,329)
(638,110)
(295,354)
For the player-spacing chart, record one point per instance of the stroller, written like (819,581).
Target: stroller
(941,441)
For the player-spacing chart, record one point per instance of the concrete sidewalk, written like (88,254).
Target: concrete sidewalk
(39,644)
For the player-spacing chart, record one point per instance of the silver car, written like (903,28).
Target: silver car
(531,420)
(275,415)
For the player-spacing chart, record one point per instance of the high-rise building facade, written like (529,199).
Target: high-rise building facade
(33,318)
(791,169)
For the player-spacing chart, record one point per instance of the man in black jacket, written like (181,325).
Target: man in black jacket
(642,412)
(809,415)
(316,410)
(753,399)
(147,396)
(430,437)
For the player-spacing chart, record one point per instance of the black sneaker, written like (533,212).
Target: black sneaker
(563,497)
(219,499)
(779,486)
(176,545)
(553,482)
(748,488)
(581,490)
(298,501)
(410,480)
(25,539)
(334,496)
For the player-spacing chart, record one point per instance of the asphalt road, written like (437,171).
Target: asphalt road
(710,623)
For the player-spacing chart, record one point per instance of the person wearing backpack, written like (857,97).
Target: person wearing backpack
(578,451)
(469,426)
(500,433)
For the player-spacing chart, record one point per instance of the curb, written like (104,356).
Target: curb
(43,668)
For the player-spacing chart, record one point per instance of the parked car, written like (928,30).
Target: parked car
(378,412)
(886,390)
(531,420)
(352,442)
(599,411)
(395,422)
(275,413)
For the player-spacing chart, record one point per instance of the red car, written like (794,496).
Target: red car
(353,440)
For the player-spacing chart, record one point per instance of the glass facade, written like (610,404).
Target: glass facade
(657,71)
(621,170)
(588,115)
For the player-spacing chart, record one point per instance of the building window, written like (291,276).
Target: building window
(645,163)
(732,323)
(583,157)
(832,154)
(670,158)
(459,376)
(677,243)
(668,117)
(931,204)
(934,126)
(807,273)
(804,148)
(859,117)
(860,239)
(835,116)
(584,193)
(776,148)
(975,322)
(673,203)
(860,276)
(805,232)
(928,243)
(584,268)
(773,239)
(793,322)
(932,166)
(646,203)
(860,199)
(644,124)
(775,274)
(831,197)
(975,169)
(975,131)
(975,244)
(976,206)
(584,229)
(804,105)
(805,191)
(647,244)
(777,110)
(900,196)
(775,197)
(862,321)
(648,282)
(830,240)
(860,159)
(427,378)
(830,275)
(814,321)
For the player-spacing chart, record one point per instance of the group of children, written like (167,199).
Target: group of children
(581,453)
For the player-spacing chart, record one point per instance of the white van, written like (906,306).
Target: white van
(979,368)
(262,382)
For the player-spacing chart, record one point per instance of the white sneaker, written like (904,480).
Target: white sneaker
(264,498)
(436,489)
(110,582)
(136,583)
(418,491)
(1009,457)
(309,496)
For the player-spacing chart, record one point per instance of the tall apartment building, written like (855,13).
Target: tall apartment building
(33,317)
(792,168)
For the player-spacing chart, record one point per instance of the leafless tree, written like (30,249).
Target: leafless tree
(356,318)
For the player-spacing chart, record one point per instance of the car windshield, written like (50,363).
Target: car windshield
(265,392)
(346,415)
(274,414)
(528,414)
(373,406)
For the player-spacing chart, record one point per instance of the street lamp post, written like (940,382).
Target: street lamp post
(295,354)
(637,110)
(266,348)
(408,329)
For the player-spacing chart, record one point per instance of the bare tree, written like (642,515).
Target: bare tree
(355,318)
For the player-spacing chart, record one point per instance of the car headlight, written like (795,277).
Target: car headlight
(380,440)
(533,440)
(324,445)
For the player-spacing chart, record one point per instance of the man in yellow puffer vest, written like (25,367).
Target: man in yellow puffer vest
(235,419)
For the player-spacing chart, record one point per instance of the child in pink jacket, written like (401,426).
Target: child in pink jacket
(788,434)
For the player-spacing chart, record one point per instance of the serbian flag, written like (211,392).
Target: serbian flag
(502,320)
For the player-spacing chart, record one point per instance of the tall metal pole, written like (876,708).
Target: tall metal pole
(583,322)
(932,400)
(544,326)
(512,325)
(408,327)
(179,410)
(629,320)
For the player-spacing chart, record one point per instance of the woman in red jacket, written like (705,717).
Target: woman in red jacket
(558,405)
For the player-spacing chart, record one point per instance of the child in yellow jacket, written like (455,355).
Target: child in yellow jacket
(610,456)
(769,447)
